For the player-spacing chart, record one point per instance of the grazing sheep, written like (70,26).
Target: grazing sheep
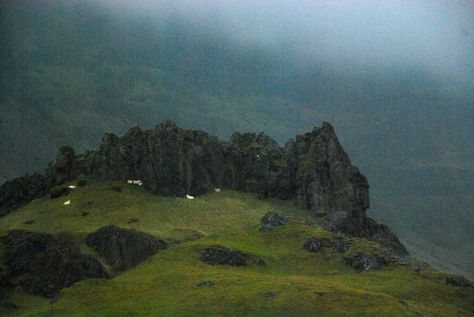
(217,190)
(189,197)
(135,182)
(72,186)
(67,202)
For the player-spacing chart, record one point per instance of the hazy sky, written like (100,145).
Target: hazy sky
(438,34)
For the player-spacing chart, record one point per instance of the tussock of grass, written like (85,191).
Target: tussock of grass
(293,282)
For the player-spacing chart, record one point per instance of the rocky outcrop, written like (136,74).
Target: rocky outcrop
(43,264)
(364,262)
(168,160)
(21,190)
(124,249)
(459,281)
(382,234)
(219,255)
(326,180)
(314,169)
(274,219)
(315,244)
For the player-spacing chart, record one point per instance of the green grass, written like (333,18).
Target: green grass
(293,283)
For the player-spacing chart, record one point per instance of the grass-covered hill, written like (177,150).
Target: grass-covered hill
(72,70)
(287,280)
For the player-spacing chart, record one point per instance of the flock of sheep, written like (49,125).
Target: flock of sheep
(139,183)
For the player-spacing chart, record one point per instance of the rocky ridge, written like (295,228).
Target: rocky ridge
(313,169)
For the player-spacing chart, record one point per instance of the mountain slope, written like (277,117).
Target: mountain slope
(175,282)
(69,71)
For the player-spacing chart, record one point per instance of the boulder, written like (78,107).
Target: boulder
(315,244)
(219,255)
(123,249)
(274,220)
(44,264)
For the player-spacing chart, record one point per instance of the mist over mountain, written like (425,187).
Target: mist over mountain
(395,79)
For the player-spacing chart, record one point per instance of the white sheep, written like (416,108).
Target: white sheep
(217,190)
(189,197)
(135,182)
(72,186)
(67,202)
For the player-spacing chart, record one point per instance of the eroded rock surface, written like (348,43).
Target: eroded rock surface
(43,264)
(123,249)
(314,169)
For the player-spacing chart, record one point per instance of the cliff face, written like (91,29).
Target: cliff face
(314,169)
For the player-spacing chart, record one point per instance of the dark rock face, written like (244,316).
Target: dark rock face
(223,256)
(382,234)
(459,281)
(66,167)
(58,192)
(273,219)
(315,244)
(21,190)
(314,169)
(364,262)
(168,160)
(255,163)
(326,180)
(123,249)
(44,264)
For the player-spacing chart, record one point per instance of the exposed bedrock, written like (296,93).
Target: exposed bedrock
(43,264)
(123,249)
(313,169)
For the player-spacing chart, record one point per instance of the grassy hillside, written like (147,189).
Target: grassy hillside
(71,71)
(293,282)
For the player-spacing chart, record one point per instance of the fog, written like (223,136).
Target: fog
(437,35)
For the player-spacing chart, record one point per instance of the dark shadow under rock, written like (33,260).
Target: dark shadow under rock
(59,192)
(117,189)
(81,182)
(44,264)
(364,262)
(223,256)
(315,244)
(122,248)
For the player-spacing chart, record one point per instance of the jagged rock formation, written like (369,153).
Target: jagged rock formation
(43,264)
(124,249)
(314,169)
